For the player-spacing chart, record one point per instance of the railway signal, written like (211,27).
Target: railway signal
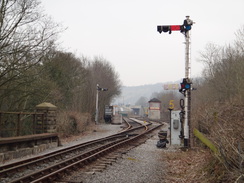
(102,89)
(97,109)
(185,28)
(185,85)
(170,28)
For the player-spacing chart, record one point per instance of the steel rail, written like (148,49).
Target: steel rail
(51,173)
(7,169)
(73,160)
(4,168)
(129,126)
(104,151)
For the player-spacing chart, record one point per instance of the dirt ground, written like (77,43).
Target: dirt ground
(187,166)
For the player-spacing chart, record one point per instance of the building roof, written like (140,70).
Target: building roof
(154,100)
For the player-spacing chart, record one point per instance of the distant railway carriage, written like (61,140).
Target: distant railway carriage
(108,114)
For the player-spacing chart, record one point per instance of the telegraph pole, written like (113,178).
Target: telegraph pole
(186,83)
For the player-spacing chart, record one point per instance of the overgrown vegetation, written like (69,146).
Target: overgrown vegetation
(218,108)
(187,166)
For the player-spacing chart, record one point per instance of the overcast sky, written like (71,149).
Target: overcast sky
(124,32)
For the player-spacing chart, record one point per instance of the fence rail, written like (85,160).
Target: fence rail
(21,123)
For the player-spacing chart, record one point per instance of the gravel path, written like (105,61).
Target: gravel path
(143,164)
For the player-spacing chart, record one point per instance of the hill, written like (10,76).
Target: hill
(131,94)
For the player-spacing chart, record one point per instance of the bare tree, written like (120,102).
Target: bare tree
(69,75)
(26,35)
(218,104)
(223,72)
(239,42)
(101,72)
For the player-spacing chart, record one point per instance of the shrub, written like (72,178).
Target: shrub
(72,123)
(224,125)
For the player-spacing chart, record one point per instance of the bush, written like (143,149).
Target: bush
(72,123)
(224,125)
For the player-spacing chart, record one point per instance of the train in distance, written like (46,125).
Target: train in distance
(108,114)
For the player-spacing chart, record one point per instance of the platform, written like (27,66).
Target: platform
(18,147)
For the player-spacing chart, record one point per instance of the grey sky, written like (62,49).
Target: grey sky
(124,32)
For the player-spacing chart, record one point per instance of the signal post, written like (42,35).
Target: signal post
(97,108)
(186,83)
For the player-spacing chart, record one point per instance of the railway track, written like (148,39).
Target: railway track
(55,165)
